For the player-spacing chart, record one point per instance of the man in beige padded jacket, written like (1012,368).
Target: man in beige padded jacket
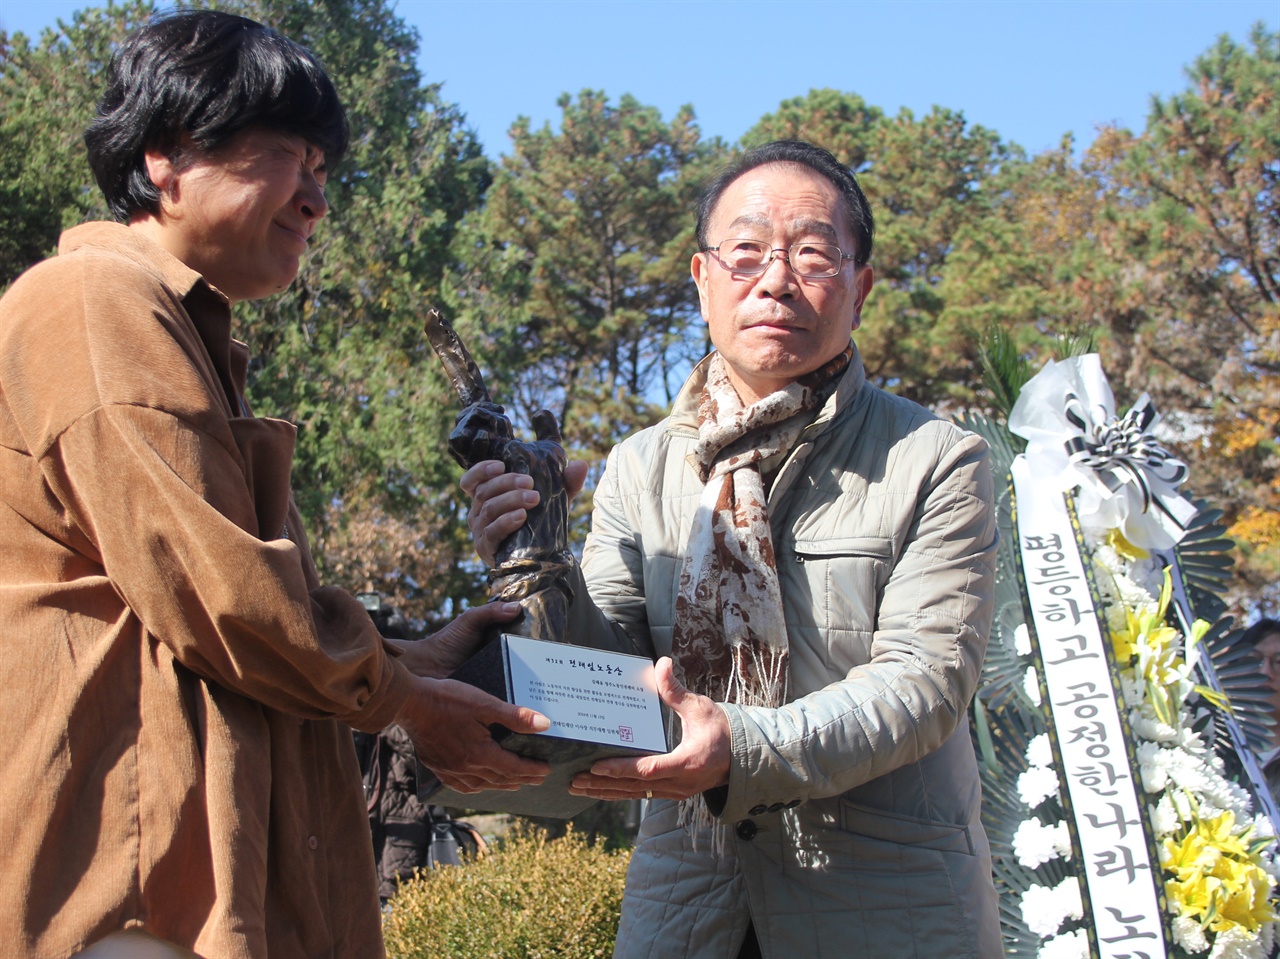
(174,682)
(810,559)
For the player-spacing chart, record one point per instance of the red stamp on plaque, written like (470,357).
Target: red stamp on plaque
(625,734)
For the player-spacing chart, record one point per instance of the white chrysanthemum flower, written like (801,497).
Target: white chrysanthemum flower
(1105,555)
(1035,843)
(1136,596)
(1036,785)
(1038,911)
(1040,750)
(1267,939)
(1147,575)
(1069,893)
(1153,767)
(1146,726)
(1203,777)
(1044,910)
(1182,803)
(1263,827)
(1236,942)
(1022,640)
(1164,817)
(1231,795)
(1134,690)
(1116,617)
(1033,905)
(1188,934)
(1193,742)
(1031,683)
(1069,945)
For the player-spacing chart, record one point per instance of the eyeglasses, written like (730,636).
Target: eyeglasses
(812,261)
(1270,662)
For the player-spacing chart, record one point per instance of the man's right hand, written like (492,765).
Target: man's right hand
(500,501)
(449,721)
(438,655)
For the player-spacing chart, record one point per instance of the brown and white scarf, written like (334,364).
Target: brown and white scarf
(730,639)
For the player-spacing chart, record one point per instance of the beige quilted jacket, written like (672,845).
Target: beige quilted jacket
(852,811)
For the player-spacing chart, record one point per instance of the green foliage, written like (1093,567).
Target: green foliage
(48,93)
(578,293)
(529,898)
(1076,344)
(1004,370)
(843,123)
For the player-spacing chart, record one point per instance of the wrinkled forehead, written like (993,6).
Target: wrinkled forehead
(781,196)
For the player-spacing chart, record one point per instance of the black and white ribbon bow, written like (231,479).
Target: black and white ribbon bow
(1123,477)
(1121,450)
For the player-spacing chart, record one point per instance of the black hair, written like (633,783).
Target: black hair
(858,210)
(1260,631)
(205,75)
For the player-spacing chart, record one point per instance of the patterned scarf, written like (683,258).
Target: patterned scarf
(730,639)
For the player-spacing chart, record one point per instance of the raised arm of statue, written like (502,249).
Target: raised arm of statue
(531,565)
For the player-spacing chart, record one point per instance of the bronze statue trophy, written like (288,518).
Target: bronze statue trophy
(533,562)
(601,704)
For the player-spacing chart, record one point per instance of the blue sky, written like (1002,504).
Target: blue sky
(1032,71)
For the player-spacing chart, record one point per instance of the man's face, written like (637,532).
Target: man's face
(1268,651)
(241,216)
(774,327)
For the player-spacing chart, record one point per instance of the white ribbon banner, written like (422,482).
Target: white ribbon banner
(1121,882)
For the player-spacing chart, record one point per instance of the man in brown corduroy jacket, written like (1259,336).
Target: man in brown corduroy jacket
(173,678)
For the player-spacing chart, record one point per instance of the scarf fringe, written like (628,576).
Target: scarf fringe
(696,820)
(771,669)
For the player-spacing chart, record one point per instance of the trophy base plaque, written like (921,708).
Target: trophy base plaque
(601,705)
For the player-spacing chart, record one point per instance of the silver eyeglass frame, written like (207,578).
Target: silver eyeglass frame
(774,253)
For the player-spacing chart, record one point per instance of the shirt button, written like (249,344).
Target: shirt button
(758,810)
(745,829)
(775,807)
(313,842)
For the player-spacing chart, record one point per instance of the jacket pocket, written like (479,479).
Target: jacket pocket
(904,830)
(836,547)
(841,579)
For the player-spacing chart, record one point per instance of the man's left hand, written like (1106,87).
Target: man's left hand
(437,656)
(699,763)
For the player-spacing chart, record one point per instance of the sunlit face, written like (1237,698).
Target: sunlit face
(242,215)
(774,327)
